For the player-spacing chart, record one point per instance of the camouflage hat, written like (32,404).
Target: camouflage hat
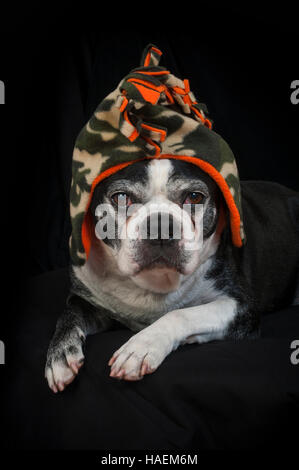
(151,114)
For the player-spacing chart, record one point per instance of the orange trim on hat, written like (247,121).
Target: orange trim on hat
(133,136)
(206,122)
(150,93)
(162,132)
(153,144)
(235,220)
(146,83)
(124,103)
(162,72)
(148,55)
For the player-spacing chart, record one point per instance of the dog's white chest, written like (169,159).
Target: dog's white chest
(137,307)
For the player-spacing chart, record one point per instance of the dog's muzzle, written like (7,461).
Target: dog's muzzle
(159,241)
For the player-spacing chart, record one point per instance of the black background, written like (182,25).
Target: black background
(58,63)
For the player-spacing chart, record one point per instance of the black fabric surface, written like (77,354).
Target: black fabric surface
(221,395)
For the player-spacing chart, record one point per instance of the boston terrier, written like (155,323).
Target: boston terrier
(167,287)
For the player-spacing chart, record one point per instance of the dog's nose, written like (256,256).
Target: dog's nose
(161,229)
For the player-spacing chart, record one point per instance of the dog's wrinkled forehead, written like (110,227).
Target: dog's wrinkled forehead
(148,178)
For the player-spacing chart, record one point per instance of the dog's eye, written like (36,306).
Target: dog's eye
(121,199)
(194,198)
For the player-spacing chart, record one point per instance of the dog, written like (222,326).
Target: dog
(167,290)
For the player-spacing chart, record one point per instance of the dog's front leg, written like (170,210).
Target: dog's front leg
(65,354)
(145,351)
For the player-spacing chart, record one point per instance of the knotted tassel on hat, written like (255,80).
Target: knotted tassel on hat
(154,84)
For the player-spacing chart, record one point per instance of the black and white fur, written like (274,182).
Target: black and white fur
(170,296)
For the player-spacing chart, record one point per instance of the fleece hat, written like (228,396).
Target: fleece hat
(151,114)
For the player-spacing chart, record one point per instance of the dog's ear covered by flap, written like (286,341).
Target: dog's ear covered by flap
(151,114)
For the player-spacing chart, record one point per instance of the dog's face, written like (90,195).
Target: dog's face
(158,219)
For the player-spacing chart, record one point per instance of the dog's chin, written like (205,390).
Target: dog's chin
(158,277)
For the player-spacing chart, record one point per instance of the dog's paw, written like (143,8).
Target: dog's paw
(139,356)
(64,359)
